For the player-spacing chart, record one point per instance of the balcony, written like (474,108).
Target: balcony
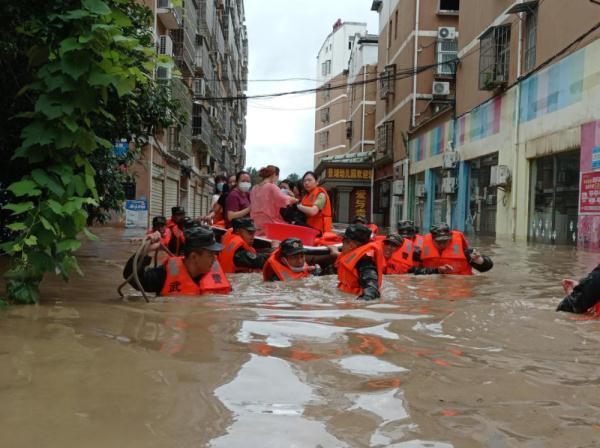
(183,144)
(168,14)
(183,51)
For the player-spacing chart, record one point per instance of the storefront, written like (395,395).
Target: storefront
(483,197)
(347,179)
(554,199)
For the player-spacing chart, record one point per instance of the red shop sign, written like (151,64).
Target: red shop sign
(589,196)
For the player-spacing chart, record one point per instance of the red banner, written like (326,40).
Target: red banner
(589,196)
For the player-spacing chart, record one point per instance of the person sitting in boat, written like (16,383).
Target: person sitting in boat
(316,204)
(197,272)
(360,264)
(445,248)
(238,255)
(288,262)
(582,296)
(362,220)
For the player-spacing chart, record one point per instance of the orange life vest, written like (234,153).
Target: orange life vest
(179,282)
(322,221)
(402,259)
(274,266)
(453,255)
(176,233)
(328,239)
(231,243)
(165,236)
(346,266)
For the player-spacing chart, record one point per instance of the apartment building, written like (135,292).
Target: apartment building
(208,42)
(519,155)
(362,94)
(332,103)
(416,40)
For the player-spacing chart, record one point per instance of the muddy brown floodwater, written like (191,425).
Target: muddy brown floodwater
(438,362)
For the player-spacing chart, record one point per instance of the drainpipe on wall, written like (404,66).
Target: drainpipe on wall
(517,115)
(362,130)
(416,59)
(372,183)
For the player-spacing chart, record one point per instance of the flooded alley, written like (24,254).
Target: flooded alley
(439,362)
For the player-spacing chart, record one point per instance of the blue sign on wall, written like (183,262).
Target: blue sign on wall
(596,158)
(121,148)
(136,213)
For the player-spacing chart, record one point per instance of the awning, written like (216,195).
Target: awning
(529,6)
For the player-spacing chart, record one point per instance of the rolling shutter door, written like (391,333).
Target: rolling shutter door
(198,205)
(157,193)
(171,189)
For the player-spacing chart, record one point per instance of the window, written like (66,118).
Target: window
(326,68)
(327,92)
(449,6)
(385,138)
(197,120)
(494,57)
(530,40)
(350,44)
(349,129)
(325,115)
(396,26)
(389,42)
(324,139)
(387,81)
(447,54)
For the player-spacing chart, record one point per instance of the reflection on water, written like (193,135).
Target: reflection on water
(439,362)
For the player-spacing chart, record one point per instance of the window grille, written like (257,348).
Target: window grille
(494,57)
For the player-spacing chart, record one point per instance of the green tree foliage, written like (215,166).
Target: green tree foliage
(85,67)
(255,178)
(294,177)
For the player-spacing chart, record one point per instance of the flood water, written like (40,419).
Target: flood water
(438,362)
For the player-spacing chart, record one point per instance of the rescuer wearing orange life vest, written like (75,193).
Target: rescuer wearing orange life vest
(159,224)
(287,263)
(175,226)
(196,273)
(448,250)
(362,220)
(238,255)
(360,264)
(399,255)
(582,296)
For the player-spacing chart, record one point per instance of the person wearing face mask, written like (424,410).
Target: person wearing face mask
(291,214)
(237,204)
(287,263)
(267,200)
(215,217)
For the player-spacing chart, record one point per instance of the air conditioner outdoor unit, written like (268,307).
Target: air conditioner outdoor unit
(450,160)
(163,73)
(420,190)
(200,87)
(446,32)
(165,45)
(448,185)
(499,176)
(398,187)
(441,88)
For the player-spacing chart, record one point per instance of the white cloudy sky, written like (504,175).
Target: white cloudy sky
(284,37)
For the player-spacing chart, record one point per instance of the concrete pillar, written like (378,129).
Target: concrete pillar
(429,198)
(344,203)
(459,216)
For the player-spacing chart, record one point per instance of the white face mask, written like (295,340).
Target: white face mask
(245,186)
